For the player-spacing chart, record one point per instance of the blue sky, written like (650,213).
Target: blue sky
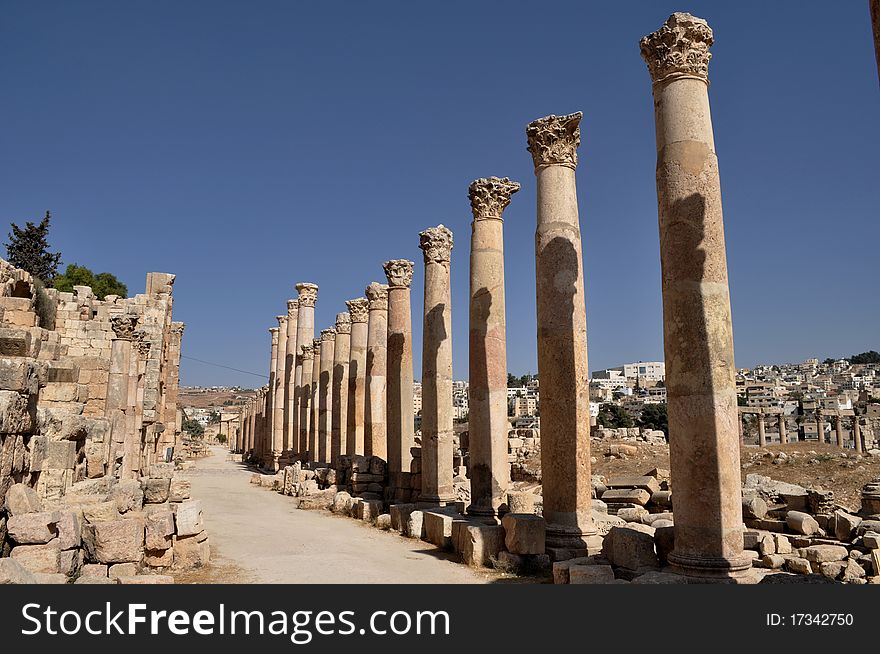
(249,146)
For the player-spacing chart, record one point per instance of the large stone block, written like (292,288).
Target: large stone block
(801,523)
(368,510)
(119,541)
(524,533)
(191,551)
(627,496)
(159,558)
(521,501)
(101,511)
(480,544)
(13,572)
(128,495)
(824,553)
(179,490)
(22,499)
(188,518)
(415,524)
(438,527)
(159,530)
(591,574)
(21,375)
(156,490)
(845,525)
(161,470)
(631,547)
(647,482)
(399,516)
(32,528)
(38,558)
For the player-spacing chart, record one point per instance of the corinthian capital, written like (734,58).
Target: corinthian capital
(292,306)
(282,321)
(489,196)
(308,294)
(399,272)
(177,328)
(436,244)
(680,48)
(343,323)
(377,296)
(555,140)
(308,352)
(274,333)
(328,334)
(124,326)
(358,309)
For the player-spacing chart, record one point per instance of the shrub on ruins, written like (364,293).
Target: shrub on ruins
(28,249)
(102,284)
(221,438)
(613,416)
(193,427)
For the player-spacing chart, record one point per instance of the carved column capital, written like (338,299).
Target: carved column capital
(436,244)
(124,326)
(292,307)
(308,352)
(328,334)
(489,196)
(377,296)
(680,48)
(308,294)
(399,273)
(343,323)
(555,140)
(282,321)
(358,309)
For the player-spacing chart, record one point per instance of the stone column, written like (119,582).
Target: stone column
(305,332)
(278,401)
(820,425)
(375,433)
(697,331)
(269,433)
(325,393)
(289,447)
(562,338)
(857,434)
(437,429)
(399,399)
(305,407)
(120,446)
(315,415)
(762,432)
(488,425)
(783,436)
(357,375)
(838,430)
(339,413)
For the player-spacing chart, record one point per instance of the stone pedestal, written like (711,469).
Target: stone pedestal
(339,413)
(305,332)
(399,377)
(562,335)
(357,375)
(437,429)
(307,361)
(278,401)
(488,467)
(375,431)
(697,331)
(325,393)
(289,441)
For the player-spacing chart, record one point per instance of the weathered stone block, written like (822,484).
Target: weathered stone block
(16,416)
(94,570)
(161,470)
(631,547)
(122,570)
(801,523)
(845,525)
(38,558)
(179,490)
(590,574)
(21,375)
(156,490)
(342,503)
(415,524)
(32,528)
(480,544)
(128,495)
(383,521)
(438,527)
(159,530)
(22,499)
(101,512)
(191,551)
(524,533)
(824,553)
(146,579)
(159,558)
(188,518)
(368,510)
(119,541)
(798,565)
(13,572)
(399,515)
(647,483)
(634,514)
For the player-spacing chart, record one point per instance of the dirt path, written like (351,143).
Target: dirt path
(257,536)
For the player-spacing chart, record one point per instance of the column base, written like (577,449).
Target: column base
(431,501)
(565,542)
(486,515)
(708,569)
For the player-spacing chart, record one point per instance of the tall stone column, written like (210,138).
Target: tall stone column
(341,357)
(325,393)
(762,431)
(783,436)
(488,426)
(288,448)
(359,309)
(857,434)
(838,430)
(437,430)
(562,338)
(120,446)
(269,434)
(820,425)
(305,396)
(399,399)
(697,331)
(375,432)
(305,332)
(315,388)
(278,401)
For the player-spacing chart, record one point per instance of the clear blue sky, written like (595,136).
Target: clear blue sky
(248,146)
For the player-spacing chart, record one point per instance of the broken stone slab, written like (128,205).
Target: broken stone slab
(161,470)
(188,518)
(415,524)
(801,523)
(119,541)
(368,510)
(22,375)
(871,540)
(191,551)
(17,416)
(399,515)
(13,572)
(561,568)
(101,512)
(94,570)
(631,546)
(798,565)
(627,496)
(653,518)
(342,503)
(146,579)
(383,521)
(754,507)
(845,525)
(159,558)
(824,553)
(86,581)
(647,483)
(22,499)
(122,570)
(524,533)
(634,514)
(590,574)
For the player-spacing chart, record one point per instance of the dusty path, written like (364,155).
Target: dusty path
(257,536)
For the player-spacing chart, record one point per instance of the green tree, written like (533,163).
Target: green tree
(221,438)
(865,357)
(102,284)
(654,417)
(28,249)
(742,401)
(613,416)
(829,361)
(214,417)
(193,428)
(513,381)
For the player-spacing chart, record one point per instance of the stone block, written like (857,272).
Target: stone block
(798,565)
(188,518)
(415,524)
(38,558)
(101,512)
(156,490)
(383,521)
(399,515)
(368,510)
(159,530)
(191,551)
(21,375)
(561,568)
(146,579)
(119,541)
(94,570)
(783,545)
(647,482)
(128,495)
(801,523)
(664,542)
(635,514)
(179,490)
(871,540)
(824,553)
(16,415)
(122,570)
(22,499)
(32,528)
(845,525)
(13,572)
(524,533)
(159,558)
(47,578)
(590,574)
(438,527)
(161,470)
(627,496)
(832,569)
(480,544)
(342,503)
(94,581)
(631,547)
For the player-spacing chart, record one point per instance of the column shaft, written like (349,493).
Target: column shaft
(278,402)
(339,418)
(357,375)
(305,333)
(315,416)
(325,392)
(375,433)
(288,448)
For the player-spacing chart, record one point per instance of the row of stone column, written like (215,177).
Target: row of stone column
(698,343)
(839,431)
